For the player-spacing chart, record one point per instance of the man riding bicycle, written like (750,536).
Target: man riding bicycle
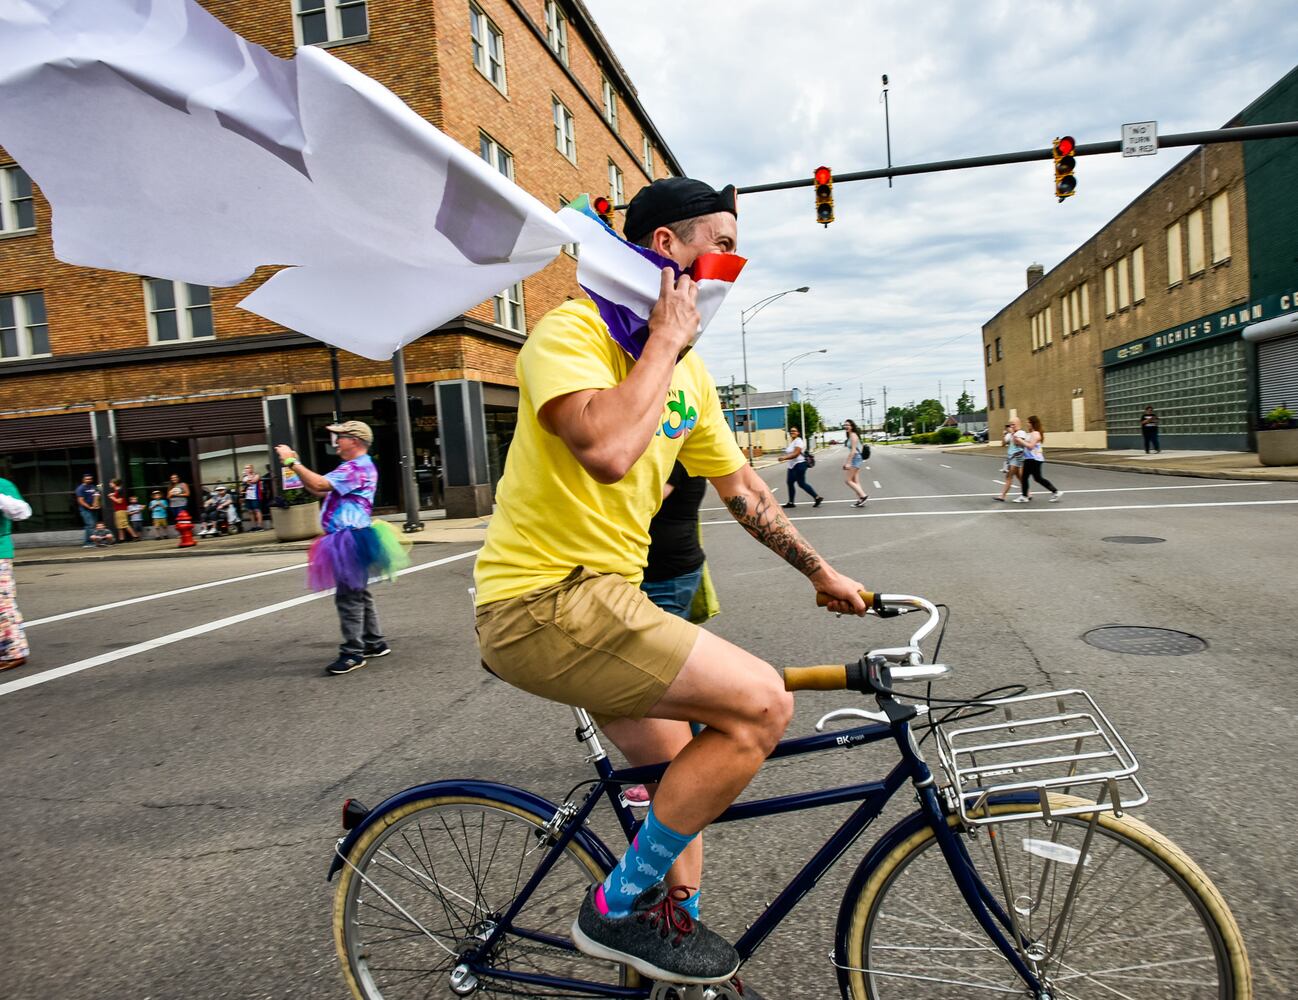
(560,613)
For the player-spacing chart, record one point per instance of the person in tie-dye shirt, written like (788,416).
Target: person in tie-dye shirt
(354,547)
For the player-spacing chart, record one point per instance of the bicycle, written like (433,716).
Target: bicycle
(1018,873)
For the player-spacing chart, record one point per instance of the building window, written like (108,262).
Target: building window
(1175,267)
(488,47)
(610,102)
(615,187)
(24,331)
(321,21)
(1220,228)
(496,154)
(17,211)
(565,140)
(1065,315)
(1194,237)
(556,30)
(1110,302)
(648,157)
(991,399)
(1076,311)
(999,353)
(1042,330)
(987,353)
(1000,397)
(177,310)
(1084,293)
(509,307)
(1124,284)
(569,248)
(1138,274)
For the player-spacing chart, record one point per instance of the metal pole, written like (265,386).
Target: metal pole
(887,129)
(406,442)
(338,393)
(748,401)
(885,411)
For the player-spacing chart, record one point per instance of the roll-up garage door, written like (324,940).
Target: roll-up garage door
(1277,374)
(225,416)
(61,430)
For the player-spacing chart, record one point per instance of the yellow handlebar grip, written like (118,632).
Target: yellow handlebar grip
(822,600)
(830,677)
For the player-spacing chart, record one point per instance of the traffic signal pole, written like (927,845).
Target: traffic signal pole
(406,445)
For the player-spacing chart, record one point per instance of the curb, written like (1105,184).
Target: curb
(1238,475)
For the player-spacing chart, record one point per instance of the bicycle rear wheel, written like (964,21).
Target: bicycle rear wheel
(427,883)
(1142,921)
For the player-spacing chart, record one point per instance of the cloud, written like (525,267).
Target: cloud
(761,91)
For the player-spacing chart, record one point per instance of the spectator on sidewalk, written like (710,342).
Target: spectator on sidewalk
(135,511)
(857,453)
(1034,458)
(120,505)
(101,537)
(795,455)
(158,513)
(177,499)
(87,495)
(1149,429)
(13,640)
(252,497)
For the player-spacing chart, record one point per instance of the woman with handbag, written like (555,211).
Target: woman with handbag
(795,455)
(857,452)
(1033,459)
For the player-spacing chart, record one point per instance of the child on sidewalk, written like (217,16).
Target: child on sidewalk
(135,511)
(101,537)
(158,513)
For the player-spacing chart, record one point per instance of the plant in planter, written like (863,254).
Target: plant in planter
(1278,444)
(297,515)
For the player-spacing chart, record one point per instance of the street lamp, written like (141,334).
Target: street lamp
(785,367)
(744,316)
(820,394)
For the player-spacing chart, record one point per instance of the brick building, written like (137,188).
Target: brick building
(1154,307)
(138,377)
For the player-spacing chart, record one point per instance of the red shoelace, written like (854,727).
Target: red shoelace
(668,916)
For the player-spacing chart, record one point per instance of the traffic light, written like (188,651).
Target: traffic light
(824,196)
(1065,182)
(604,209)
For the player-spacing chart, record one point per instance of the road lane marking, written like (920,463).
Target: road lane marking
(1055,509)
(878,485)
(153,597)
(944,466)
(189,633)
(1105,489)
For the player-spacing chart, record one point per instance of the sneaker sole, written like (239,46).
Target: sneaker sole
(376,656)
(595,950)
(349,670)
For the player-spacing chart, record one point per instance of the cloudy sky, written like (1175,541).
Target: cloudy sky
(760,90)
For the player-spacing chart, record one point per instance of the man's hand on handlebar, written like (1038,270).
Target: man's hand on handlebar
(843,592)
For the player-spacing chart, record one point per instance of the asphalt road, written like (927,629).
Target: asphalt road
(172,803)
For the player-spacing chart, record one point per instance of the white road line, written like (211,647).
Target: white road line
(944,466)
(1105,489)
(153,597)
(878,485)
(1052,509)
(189,633)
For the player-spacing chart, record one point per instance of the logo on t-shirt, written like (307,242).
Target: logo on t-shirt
(681,417)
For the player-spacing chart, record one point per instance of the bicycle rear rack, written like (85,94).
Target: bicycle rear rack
(1059,741)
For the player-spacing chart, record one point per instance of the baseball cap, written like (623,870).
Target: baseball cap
(353,428)
(674,199)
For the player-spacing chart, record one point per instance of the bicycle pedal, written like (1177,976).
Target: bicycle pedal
(693,991)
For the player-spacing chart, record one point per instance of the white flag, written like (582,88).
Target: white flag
(169,146)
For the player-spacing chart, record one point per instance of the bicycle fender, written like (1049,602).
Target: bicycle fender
(520,798)
(881,848)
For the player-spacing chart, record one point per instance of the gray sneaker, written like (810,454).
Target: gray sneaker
(657,938)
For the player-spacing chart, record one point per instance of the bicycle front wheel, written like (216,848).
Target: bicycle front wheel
(428,883)
(1123,913)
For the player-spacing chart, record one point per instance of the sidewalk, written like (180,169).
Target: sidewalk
(1203,464)
(437,530)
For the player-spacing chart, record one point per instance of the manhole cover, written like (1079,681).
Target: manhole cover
(1133,539)
(1144,641)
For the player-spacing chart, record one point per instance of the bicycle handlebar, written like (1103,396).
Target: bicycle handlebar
(829,677)
(823,599)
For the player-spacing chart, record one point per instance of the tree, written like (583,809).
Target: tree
(929,415)
(964,404)
(898,419)
(794,417)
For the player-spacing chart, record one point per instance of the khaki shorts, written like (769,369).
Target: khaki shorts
(121,519)
(592,640)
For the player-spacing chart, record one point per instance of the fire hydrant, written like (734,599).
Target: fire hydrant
(185,528)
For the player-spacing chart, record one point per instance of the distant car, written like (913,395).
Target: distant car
(981,436)
(833,443)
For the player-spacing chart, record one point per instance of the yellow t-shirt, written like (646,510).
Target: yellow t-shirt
(551,516)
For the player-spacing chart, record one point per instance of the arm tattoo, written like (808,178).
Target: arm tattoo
(766,522)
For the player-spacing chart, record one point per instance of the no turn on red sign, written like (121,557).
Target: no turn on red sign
(1140,139)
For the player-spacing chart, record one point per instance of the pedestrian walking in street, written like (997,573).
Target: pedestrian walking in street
(135,511)
(87,495)
(158,514)
(857,453)
(355,547)
(1013,439)
(13,639)
(1149,429)
(1033,459)
(252,497)
(795,455)
(101,537)
(120,505)
(177,499)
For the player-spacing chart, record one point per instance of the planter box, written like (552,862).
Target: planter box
(1278,447)
(296,523)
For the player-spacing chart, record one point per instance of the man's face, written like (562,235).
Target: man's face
(87,480)
(715,233)
(347,446)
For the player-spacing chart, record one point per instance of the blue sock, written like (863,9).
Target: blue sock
(646,861)
(691,905)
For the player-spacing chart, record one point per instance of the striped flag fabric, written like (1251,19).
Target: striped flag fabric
(170,146)
(624,279)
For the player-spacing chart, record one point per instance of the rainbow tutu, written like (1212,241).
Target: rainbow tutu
(350,558)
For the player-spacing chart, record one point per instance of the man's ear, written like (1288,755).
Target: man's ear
(661,241)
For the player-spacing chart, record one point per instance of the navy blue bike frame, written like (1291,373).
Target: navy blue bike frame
(873,797)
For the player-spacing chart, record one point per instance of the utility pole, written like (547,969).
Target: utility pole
(885,410)
(406,445)
(862,402)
